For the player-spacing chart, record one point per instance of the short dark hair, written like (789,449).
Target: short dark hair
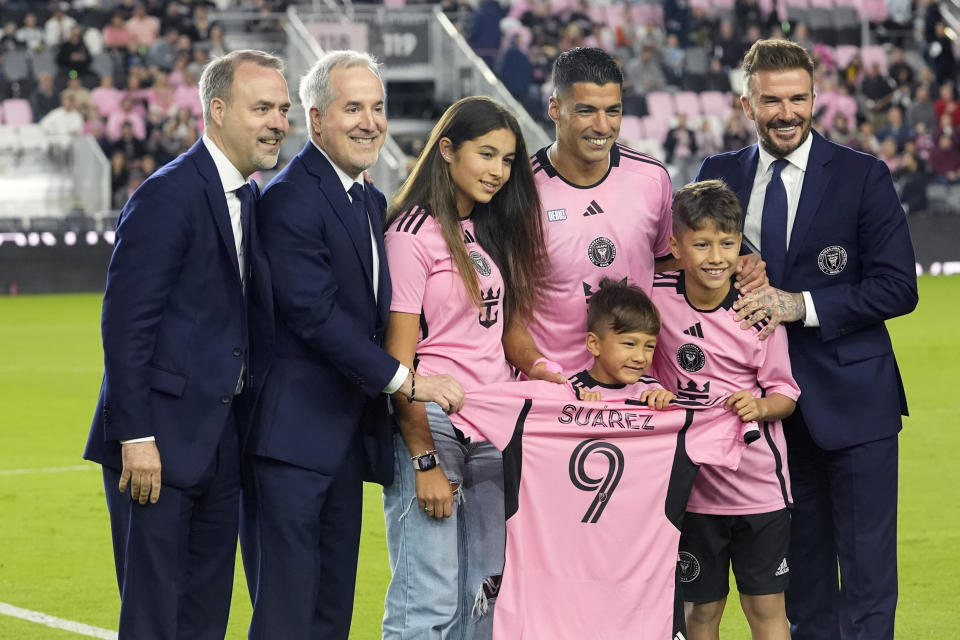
(621,307)
(708,201)
(775,55)
(585,64)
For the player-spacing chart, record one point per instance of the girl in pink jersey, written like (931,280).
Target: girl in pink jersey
(466,255)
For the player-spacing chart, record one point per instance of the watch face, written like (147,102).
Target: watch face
(425,463)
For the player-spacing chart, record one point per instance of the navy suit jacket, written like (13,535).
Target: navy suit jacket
(850,247)
(329,370)
(175,321)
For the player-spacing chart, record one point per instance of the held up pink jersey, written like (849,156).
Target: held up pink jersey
(456,336)
(595,496)
(705,355)
(613,229)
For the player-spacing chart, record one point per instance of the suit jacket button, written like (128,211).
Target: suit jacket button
(237,352)
(225,400)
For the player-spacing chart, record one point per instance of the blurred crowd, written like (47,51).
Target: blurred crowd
(124,71)
(902,107)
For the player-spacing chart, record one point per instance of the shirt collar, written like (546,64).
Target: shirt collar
(230,177)
(346,180)
(797,158)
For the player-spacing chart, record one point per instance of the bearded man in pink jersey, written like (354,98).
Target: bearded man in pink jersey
(606,215)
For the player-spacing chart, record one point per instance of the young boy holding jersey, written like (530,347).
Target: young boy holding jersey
(733,517)
(622,333)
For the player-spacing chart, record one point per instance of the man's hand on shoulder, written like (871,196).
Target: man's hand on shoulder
(751,273)
(773,305)
(141,470)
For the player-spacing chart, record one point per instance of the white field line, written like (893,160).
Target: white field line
(56,623)
(23,472)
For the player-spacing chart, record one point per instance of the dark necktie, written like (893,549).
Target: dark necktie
(773,225)
(363,223)
(247,204)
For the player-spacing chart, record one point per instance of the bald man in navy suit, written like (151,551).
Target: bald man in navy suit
(830,227)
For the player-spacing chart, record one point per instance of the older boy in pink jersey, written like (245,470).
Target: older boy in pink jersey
(734,516)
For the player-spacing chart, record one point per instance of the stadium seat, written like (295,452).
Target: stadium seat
(873,10)
(631,130)
(16,65)
(716,103)
(102,64)
(33,138)
(656,128)
(875,54)
(687,102)
(17,111)
(660,104)
(79,222)
(9,139)
(44,61)
(844,53)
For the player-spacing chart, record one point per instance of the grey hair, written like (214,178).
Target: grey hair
(315,88)
(217,77)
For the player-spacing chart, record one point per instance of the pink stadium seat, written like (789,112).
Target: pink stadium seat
(844,53)
(798,4)
(656,128)
(822,4)
(631,130)
(647,13)
(660,104)
(687,102)
(17,112)
(716,103)
(873,10)
(874,54)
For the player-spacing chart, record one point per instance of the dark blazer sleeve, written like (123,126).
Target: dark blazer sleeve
(305,284)
(144,268)
(887,286)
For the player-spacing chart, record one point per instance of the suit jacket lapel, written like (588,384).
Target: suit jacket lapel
(815,181)
(332,189)
(217,200)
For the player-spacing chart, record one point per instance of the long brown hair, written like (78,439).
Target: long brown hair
(509,227)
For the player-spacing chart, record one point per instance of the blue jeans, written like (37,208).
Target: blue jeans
(439,566)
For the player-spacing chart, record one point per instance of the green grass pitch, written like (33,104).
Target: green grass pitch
(55,554)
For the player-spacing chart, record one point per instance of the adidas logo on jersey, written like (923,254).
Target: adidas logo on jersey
(783,568)
(696,331)
(679,636)
(593,209)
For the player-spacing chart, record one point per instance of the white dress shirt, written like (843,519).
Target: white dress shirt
(347,182)
(792,176)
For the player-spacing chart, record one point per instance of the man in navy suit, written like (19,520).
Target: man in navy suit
(830,227)
(186,286)
(322,424)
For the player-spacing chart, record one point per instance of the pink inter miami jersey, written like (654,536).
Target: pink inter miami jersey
(704,355)
(584,380)
(595,496)
(613,229)
(456,336)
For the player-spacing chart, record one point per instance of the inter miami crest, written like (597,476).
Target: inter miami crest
(602,252)
(480,264)
(689,566)
(690,357)
(832,260)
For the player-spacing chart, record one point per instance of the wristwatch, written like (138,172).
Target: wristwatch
(425,461)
